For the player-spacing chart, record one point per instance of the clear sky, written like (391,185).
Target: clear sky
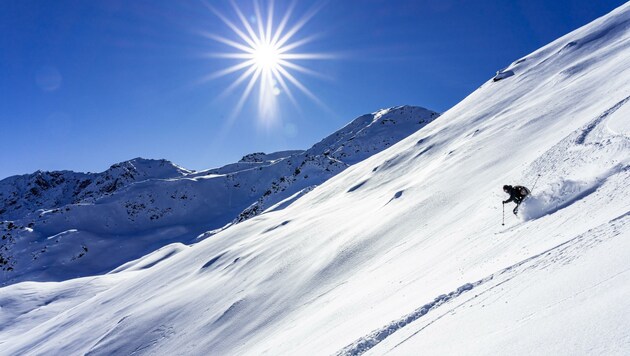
(85,84)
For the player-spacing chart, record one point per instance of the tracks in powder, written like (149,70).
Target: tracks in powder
(562,253)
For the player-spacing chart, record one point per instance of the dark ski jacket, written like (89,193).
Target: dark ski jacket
(517,193)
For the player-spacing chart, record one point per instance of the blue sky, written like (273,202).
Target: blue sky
(85,84)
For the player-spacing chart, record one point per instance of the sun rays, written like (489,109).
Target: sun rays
(265,53)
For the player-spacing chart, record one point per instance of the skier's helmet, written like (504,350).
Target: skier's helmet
(506,188)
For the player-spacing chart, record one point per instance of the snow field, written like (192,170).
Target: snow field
(404,253)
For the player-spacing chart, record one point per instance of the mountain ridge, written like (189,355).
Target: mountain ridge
(143,197)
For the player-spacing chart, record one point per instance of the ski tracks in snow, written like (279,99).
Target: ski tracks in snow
(581,139)
(563,253)
(365,343)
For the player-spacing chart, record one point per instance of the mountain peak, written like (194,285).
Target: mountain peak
(23,194)
(151,168)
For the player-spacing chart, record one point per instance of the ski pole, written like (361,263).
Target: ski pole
(503,221)
(536,181)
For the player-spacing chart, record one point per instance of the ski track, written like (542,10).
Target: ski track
(593,124)
(557,254)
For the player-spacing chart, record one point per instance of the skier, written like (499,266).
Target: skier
(517,194)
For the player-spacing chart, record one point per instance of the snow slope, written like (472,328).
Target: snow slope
(404,252)
(67,225)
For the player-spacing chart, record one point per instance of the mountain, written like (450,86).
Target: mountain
(402,253)
(21,195)
(61,225)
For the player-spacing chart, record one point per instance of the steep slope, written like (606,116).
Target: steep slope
(363,137)
(67,225)
(404,252)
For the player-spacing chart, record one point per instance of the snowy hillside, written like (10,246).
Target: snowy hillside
(62,225)
(404,252)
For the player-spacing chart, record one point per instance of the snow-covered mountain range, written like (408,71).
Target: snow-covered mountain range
(403,253)
(57,225)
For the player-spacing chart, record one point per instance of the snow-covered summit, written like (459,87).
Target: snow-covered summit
(253,160)
(20,195)
(361,138)
(355,141)
(261,157)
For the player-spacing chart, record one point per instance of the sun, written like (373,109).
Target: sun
(266,57)
(265,53)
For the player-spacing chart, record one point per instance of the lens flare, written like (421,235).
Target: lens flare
(266,56)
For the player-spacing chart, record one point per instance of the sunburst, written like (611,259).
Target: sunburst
(266,55)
